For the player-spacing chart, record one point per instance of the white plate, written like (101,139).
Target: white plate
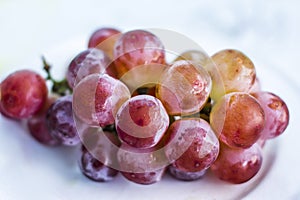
(29,170)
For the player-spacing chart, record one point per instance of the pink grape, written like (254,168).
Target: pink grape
(276,113)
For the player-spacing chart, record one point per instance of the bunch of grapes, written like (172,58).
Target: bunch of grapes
(135,113)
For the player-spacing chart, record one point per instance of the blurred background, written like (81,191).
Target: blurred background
(267,31)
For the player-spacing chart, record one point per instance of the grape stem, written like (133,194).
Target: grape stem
(58,87)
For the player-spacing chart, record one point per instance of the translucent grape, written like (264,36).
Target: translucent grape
(236,69)
(237,165)
(23,93)
(90,61)
(97,99)
(104,39)
(193,147)
(196,56)
(184,88)
(141,121)
(61,123)
(276,114)
(238,119)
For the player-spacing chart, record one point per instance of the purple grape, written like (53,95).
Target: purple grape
(61,123)
(94,169)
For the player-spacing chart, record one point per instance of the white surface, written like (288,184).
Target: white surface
(268,32)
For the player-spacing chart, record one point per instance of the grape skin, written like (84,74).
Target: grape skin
(23,93)
(238,119)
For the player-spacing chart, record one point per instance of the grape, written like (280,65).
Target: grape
(142,51)
(276,114)
(104,39)
(38,128)
(185,176)
(90,61)
(141,121)
(236,69)
(184,88)
(23,93)
(193,146)
(142,166)
(61,123)
(97,99)
(237,165)
(95,169)
(238,119)
(196,56)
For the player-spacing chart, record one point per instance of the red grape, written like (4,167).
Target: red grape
(141,121)
(238,119)
(136,48)
(184,88)
(97,99)
(193,146)
(237,165)
(90,61)
(183,175)
(23,93)
(104,39)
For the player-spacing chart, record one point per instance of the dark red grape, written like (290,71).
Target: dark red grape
(61,123)
(23,93)
(38,128)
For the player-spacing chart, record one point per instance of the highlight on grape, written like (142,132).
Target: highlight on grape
(143,103)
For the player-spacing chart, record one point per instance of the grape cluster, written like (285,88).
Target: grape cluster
(135,113)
